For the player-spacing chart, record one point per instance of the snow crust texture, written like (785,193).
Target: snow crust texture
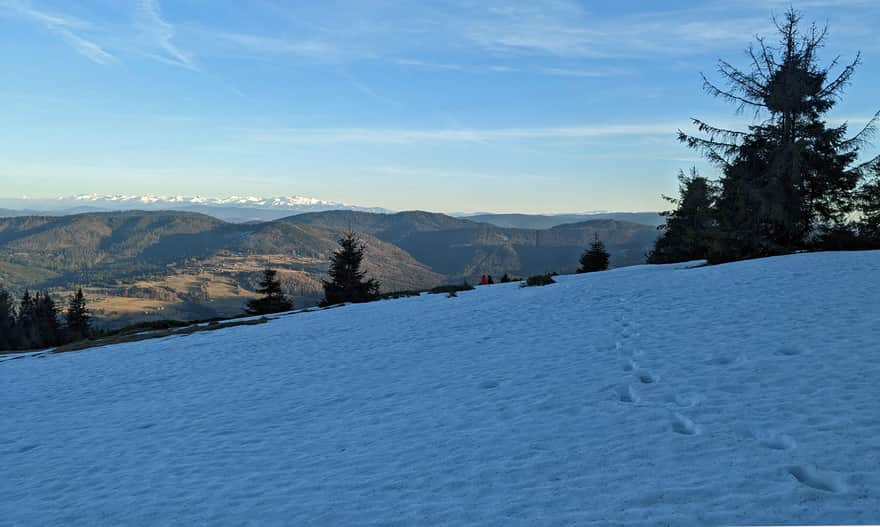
(654,395)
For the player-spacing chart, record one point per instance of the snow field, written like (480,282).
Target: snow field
(736,394)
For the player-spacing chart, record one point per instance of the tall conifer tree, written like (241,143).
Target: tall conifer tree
(26,325)
(869,210)
(7,322)
(77,317)
(791,172)
(48,330)
(691,226)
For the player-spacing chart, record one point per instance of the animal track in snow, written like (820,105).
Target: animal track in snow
(646,377)
(789,351)
(725,360)
(683,425)
(817,479)
(628,394)
(685,401)
(778,442)
(627,334)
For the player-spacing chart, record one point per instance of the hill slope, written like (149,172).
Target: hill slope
(547,221)
(734,394)
(138,265)
(462,248)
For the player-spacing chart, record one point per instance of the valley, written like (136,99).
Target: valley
(149,265)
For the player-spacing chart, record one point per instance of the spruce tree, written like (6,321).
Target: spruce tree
(348,283)
(595,258)
(690,227)
(791,172)
(48,328)
(77,317)
(7,322)
(869,211)
(273,299)
(27,331)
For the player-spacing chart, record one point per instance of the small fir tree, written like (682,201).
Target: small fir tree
(77,317)
(348,283)
(595,258)
(273,299)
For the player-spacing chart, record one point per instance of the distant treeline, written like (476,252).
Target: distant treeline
(348,283)
(35,322)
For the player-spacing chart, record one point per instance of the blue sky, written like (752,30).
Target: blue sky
(456,105)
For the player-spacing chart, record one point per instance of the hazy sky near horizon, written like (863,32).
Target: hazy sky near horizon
(453,105)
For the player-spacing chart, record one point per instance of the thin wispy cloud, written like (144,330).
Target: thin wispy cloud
(66,27)
(565,29)
(561,32)
(365,89)
(274,46)
(483,69)
(553,29)
(586,73)
(803,4)
(458,135)
(423,173)
(159,33)
(85,47)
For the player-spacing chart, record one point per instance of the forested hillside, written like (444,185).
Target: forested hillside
(136,265)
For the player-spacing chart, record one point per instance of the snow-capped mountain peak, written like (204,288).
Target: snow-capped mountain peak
(230,208)
(246,201)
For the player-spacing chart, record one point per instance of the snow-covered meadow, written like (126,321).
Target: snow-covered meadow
(746,393)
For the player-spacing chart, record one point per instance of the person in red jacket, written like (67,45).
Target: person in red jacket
(484,280)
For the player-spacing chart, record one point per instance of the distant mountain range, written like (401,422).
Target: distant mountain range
(140,265)
(237,209)
(126,201)
(249,209)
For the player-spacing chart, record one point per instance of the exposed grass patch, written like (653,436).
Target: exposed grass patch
(151,325)
(451,288)
(539,280)
(399,294)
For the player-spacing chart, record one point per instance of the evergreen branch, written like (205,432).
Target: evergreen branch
(871,165)
(842,79)
(865,134)
(713,131)
(767,55)
(715,91)
(745,83)
(710,148)
(758,68)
